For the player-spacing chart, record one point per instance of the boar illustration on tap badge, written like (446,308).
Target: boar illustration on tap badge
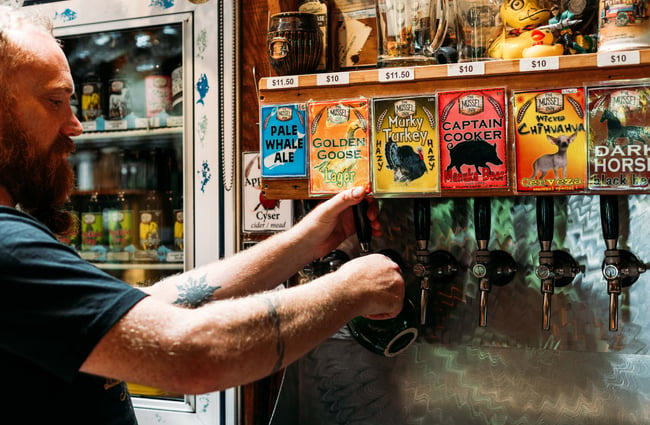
(550,140)
(472,128)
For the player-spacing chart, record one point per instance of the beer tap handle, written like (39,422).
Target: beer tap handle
(545,222)
(609,219)
(545,270)
(362,226)
(611,265)
(482,224)
(422,220)
(482,221)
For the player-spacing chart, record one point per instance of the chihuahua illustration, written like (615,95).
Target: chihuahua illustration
(554,161)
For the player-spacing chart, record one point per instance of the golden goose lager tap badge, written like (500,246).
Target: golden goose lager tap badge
(551,141)
(472,128)
(405,148)
(619,137)
(339,141)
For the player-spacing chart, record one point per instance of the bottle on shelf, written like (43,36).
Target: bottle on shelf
(179,227)
(119,94)
(150,224)
(92,230)
(119,221)
(91,97)
(177,91)
(71,237)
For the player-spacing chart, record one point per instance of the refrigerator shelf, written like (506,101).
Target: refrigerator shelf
(145,133)
(139,266)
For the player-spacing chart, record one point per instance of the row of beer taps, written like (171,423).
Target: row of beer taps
(491,268)
(556,268)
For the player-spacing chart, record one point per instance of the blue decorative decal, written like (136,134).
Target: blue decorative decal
(165,4)
(202,87)
(66,16)
(205,401)
(203,127)
(201,44)
(205,175)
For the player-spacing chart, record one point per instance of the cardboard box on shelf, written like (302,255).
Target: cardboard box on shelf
(355,32)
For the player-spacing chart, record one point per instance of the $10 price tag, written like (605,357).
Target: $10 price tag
(282,82)
(333,79)
(539,64)
(632,57)
(390,75)
(462,69)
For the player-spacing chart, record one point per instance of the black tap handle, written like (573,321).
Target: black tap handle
(362,224)
(422,219)
(482,218)
(609,216)
(545,218)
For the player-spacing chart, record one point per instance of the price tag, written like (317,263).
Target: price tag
(539,64)
(112,125)
(633,57)
(285,82)
(389,75)
(333,79)
(462,69)
(89,125)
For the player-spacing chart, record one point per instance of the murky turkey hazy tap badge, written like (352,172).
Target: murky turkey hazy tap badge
(551,140)
(472,129)
(339,142)
(405,146)
(619,137)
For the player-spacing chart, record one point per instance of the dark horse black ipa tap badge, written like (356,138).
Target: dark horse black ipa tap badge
(472,130)
(619,136)
(405,146)
(550,140)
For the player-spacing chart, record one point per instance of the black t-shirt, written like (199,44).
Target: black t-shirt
(55,307)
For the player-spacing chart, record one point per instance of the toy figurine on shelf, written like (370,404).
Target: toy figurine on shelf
(568,27)
(523,28)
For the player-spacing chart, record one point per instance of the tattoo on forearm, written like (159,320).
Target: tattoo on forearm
(194,292)
(279,345)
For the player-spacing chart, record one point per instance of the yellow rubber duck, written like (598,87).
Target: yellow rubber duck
(517,39)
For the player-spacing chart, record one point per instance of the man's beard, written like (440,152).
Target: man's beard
(39,183)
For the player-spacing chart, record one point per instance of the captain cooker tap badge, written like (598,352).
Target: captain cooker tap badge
(550,140)
(472,129)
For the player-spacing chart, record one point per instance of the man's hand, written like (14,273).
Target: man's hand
(331,222)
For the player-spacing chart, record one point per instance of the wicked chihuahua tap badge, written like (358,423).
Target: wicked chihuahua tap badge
(550,139)
(472,129)
(405,146)
(619,154)
(339,145)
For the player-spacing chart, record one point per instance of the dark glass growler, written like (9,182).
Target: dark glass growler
(388,337)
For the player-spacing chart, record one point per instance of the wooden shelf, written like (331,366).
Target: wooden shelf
(573,70)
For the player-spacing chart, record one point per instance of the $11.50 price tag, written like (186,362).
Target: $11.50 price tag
(389,75)
(333,79)
(462,69)
(282,82)
(539,64)
(632,57)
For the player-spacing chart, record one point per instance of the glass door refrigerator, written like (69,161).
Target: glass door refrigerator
(155,170)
